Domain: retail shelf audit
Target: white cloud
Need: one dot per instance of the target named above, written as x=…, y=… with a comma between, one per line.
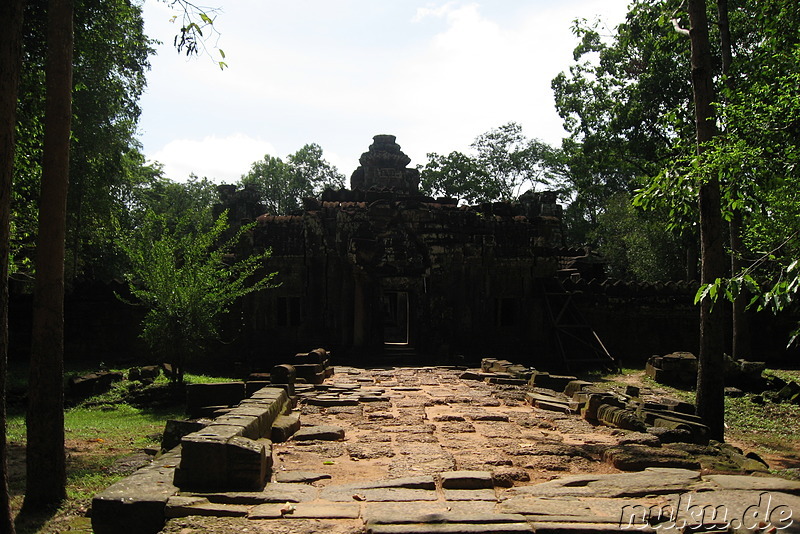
x=435, y=76
x=220, y=159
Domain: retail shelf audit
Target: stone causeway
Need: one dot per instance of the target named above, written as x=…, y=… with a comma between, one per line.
x=431, y=450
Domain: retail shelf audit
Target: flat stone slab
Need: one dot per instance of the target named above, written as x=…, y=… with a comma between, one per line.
x=136, y=504
x=300, y=477
x=450, y=528
x=571, y=509
x=189, y=506
x=651, y=481
x=635, y=457
x=467, y=480
x=742, y=511
x=331, y=401
x=470, y=495
x=345, y=494
x=272, y=492
x=437, y=515
x=754, y=483
x=319, y=432
x=307, y=511
x=585, y=528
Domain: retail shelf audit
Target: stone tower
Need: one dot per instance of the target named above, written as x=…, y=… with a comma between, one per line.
x=383, y=168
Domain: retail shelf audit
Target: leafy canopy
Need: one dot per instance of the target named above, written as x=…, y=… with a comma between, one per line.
x=282, y=185
x=187, y=277
x=503, y=165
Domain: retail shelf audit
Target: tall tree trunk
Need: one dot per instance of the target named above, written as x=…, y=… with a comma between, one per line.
x=710, y=381
x=10, y=65
x=740, y=343
x=46, y=462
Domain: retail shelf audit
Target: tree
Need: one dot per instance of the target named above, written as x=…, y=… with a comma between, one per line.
x=185, y=277
x=710, y=381
x=635, y=244
x=110, y=61
x=11, y=14
x=504, y=163
x=756, y=153
x=623, y=103
x=282, y=185
x=45, y=459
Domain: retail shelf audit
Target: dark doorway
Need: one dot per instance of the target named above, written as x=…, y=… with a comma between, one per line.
x=395, y=317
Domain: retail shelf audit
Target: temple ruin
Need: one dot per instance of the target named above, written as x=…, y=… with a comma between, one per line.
x=382, y=269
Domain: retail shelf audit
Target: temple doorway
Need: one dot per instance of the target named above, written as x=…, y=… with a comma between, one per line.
x=395, y=317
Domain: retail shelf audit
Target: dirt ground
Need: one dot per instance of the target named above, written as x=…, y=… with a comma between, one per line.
x=424, y=421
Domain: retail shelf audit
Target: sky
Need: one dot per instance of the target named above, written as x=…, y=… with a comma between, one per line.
x=338, y=72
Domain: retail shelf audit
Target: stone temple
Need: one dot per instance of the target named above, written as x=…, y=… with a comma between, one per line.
x=380, y=269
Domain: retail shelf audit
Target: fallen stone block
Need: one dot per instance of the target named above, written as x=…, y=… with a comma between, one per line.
x=486, y=364
x=273, y=492
x=467, y=480
x=175, y=429
x=192, y=506
x=548, y=381
x=640, y=457
x=136, y=504
x=92, y=384
x=505, y=381
x=575, y=386
x=319, y=432
x=312, y=373
x=284, y=426
x=617, y=417
x=216, y=461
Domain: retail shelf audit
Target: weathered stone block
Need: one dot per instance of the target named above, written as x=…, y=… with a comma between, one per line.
x=199, y=396
x=574, y=386
x=175, y=429
x=136, y=504
x=640, y=457
x=320, y=432
x=284, y=426
x=469, y=480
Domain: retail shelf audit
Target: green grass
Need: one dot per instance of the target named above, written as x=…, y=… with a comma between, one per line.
x=767, y=428
x=99, y=432
x=784, y=374
x=775, y=426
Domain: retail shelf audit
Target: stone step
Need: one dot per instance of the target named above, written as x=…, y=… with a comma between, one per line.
x=450, y=528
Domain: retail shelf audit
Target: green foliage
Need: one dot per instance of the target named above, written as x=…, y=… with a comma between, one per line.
x=755, y=156
x=194, y=21
x=110, y=61
x=775, y=293
x=636, y=244
x=503, y=165
x=281, y=185
x=624, y=103
x=184, y=274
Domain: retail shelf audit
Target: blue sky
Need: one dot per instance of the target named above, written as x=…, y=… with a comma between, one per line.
x=337, y=72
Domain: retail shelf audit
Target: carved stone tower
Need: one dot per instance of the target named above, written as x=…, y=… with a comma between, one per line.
x=383, y=168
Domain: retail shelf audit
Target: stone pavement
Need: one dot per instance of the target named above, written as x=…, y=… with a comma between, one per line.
x=418, y=450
